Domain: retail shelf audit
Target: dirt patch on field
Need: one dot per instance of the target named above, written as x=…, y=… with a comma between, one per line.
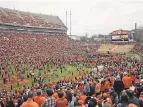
x=14, y=81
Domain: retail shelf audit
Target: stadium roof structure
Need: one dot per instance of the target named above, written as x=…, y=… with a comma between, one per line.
x=53, y=19
x=49, y=19
x=119, y=32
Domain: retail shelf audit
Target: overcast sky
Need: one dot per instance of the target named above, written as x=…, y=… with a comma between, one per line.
x=88, y=16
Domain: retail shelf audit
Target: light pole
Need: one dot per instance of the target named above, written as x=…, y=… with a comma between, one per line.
x=67, y=20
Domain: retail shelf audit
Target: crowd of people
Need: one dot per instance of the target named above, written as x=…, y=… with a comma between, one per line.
x=117, y=84
x=138, y=48
x=31, y=45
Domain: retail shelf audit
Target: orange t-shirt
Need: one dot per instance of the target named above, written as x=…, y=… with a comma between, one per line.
x=61, y=102
x=29, y=103
x=83, y=97
x=55, y=95
x=102, y=87
x=127, y=81
x=107, y=85
x=39, y=100
x=98, y=88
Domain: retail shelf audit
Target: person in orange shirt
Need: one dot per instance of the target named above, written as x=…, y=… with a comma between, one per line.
x=30, y=102
x=61, y=102
x=73, y=90
x=55, y=95
x=81, y=87
x=127, y=81
x=39, y=99
x=107, y=84
x=132, y=105
x=106, y=98
x=102, y=85
x=97, y=88
x=133, y=77
x=80, y=103
x=83, y=97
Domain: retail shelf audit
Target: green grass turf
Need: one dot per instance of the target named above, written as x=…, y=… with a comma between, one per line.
x=133, y=55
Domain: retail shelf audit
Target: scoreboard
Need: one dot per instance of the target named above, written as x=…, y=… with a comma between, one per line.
x=119, y=35
x=119, y=38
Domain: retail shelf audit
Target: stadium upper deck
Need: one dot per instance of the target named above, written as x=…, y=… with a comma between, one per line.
x=15, y=17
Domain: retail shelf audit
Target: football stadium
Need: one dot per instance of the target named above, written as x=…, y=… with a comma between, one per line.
x=42, y=66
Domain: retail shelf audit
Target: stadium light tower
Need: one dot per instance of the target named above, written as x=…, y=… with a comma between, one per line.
x=70, y=22
x=135, y=31
x=67, y=20
x=66, y=17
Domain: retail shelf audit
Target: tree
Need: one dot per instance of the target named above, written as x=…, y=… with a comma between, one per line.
x=139, y=34
x=83, y=39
